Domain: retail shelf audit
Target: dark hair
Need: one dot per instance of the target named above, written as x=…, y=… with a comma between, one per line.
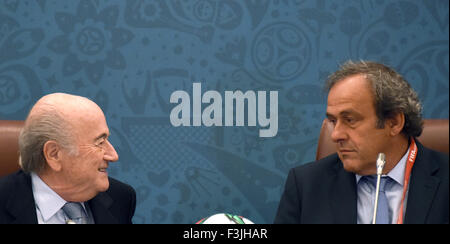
x=392, y=93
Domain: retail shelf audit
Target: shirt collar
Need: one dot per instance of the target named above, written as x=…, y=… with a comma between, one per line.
x=397, y=173
x=47, y=201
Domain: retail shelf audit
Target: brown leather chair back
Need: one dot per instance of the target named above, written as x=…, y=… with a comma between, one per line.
x=434, y=136
x=9, y=145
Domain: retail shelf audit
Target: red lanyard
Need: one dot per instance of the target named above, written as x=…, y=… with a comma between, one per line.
x=409, y=164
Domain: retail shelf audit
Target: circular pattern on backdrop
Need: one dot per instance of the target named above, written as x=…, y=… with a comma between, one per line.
x=281, y=51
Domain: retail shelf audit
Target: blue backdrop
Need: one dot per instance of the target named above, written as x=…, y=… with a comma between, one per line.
x=129, y=56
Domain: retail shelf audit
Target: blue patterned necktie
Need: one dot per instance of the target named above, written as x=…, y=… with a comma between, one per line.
x=75, y=212
x=383, y=206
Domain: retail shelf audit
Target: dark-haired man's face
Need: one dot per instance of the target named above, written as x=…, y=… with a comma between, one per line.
x=351, y=110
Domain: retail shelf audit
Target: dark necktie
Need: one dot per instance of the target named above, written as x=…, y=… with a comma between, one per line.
x=383, y=206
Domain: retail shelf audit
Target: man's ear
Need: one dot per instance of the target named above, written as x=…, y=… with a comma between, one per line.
x=396, y=123
x=52, y=153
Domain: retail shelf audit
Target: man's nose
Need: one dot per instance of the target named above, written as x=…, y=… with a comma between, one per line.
x=339, y=133
x=110, y=153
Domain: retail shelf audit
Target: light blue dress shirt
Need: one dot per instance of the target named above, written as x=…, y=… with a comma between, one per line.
x=394, y=194
x=49, y=203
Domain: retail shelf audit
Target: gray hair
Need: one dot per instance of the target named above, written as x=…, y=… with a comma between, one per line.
x=45, y=126
x=392, y=93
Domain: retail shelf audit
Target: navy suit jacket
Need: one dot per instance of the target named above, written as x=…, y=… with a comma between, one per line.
x=323, y=192
x=17, y=206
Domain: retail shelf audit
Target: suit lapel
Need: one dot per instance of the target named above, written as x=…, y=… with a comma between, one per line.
x=343, y=196
x=422, y=188
x=22, y=208
x=21, y=203
x=100, y=209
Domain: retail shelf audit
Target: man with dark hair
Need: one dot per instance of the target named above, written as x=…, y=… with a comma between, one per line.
x=64, y=156
x=373, y=110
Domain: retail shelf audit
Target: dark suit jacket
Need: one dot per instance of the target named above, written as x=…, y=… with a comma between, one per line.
x=323, y=192
x=17, y=206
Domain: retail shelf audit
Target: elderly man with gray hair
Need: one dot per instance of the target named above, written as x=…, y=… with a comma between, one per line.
x=64, y=157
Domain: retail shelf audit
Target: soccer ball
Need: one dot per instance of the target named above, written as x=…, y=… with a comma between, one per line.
x=224, y=218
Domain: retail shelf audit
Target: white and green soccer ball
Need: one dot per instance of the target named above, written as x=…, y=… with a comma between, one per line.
x=224, y=218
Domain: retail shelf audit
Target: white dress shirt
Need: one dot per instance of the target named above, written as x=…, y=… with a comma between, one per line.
x=49, y=203
x=393, y=190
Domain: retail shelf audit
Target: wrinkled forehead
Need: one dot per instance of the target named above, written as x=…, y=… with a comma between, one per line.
x=89, y=125
x=83, y=114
